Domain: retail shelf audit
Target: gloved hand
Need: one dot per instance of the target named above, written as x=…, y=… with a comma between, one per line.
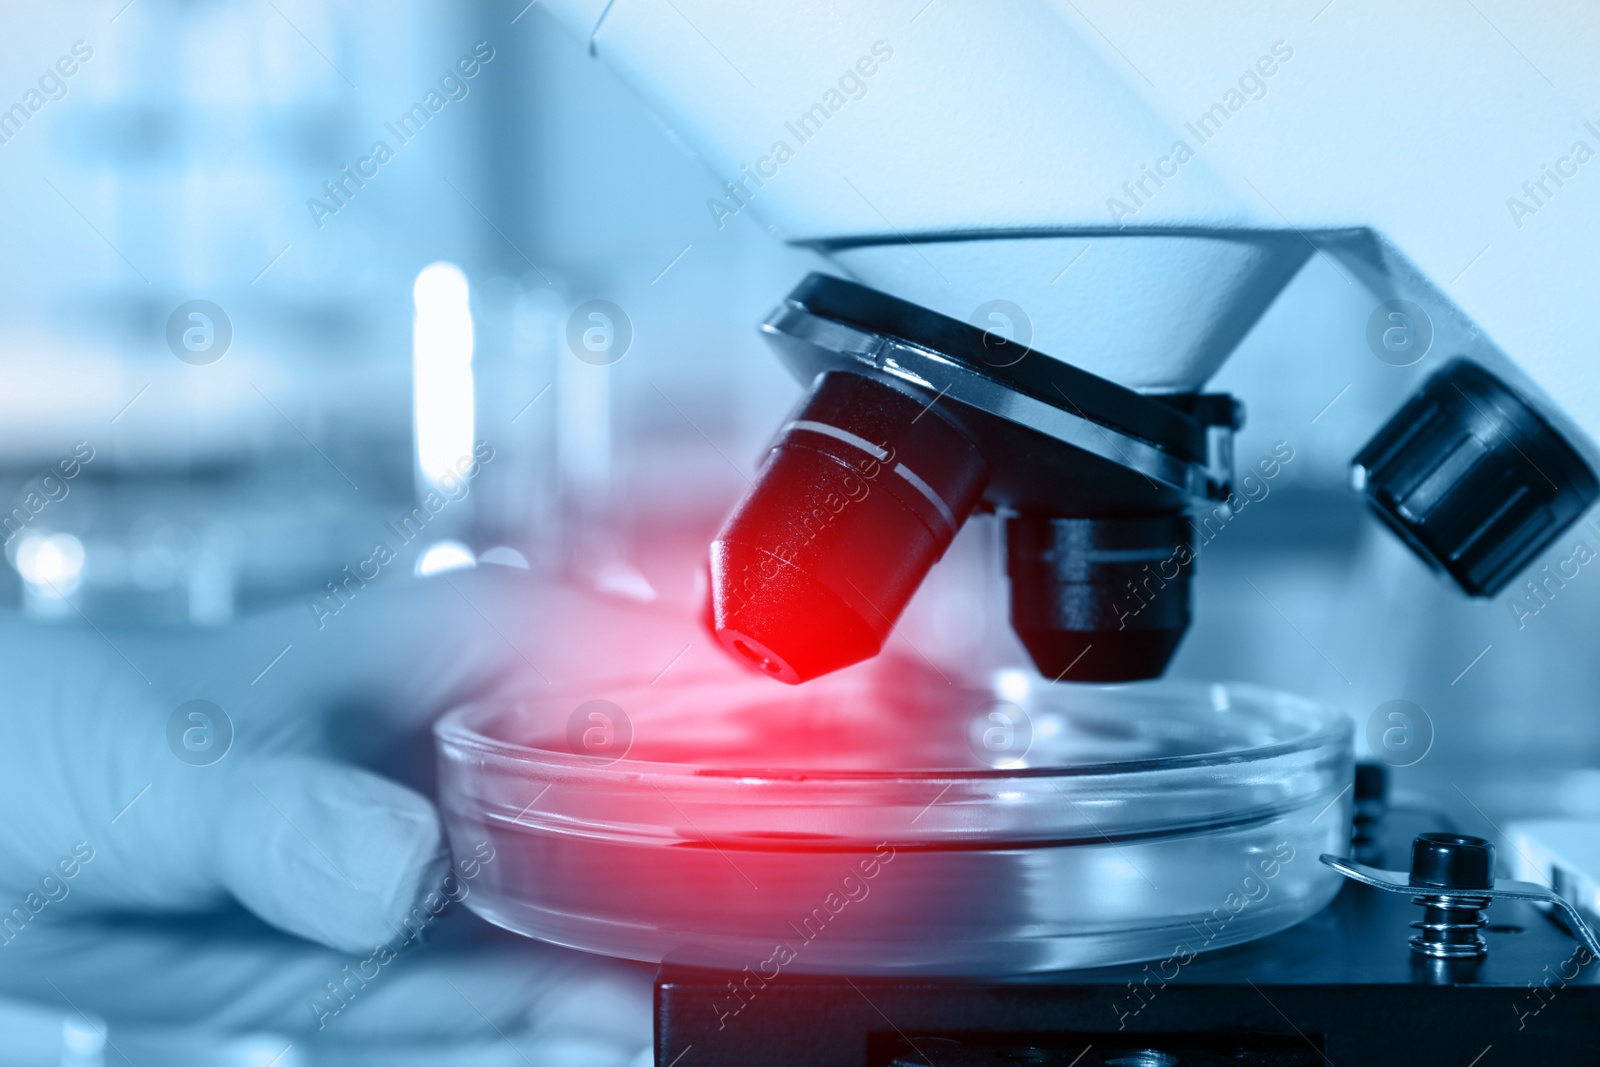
x=102, y=810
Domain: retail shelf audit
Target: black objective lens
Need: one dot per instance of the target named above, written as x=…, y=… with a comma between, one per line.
x=1100, y=599
x=862, y=492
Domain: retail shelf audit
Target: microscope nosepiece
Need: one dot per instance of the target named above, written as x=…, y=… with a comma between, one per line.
x=911, y=423
x=862, y=492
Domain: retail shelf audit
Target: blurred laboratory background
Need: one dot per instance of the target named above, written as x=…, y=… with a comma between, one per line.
x=272, y=336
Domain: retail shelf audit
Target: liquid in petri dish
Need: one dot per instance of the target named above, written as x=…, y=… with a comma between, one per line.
x=885, y=822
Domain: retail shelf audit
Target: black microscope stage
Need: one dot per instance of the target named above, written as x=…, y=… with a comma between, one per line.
x=1342, y=988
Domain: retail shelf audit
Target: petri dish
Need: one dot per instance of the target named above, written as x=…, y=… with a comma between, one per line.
x=886, y=822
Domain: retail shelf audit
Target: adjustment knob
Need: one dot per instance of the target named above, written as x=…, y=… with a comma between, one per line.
x=1473, y=479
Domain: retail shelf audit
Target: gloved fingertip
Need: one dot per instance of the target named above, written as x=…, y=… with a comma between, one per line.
x=330, y=852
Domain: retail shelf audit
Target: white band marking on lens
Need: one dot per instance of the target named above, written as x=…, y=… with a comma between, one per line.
x=838, y=435
x=927, y=490
x=877, y=453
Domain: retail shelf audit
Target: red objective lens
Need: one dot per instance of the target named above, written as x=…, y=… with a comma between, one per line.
x=861, y=494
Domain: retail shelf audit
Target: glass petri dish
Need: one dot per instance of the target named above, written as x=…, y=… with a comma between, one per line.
x=889, y=823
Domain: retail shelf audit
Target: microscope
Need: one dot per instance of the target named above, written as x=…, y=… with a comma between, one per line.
x=1045, y=226
x=1056, y=224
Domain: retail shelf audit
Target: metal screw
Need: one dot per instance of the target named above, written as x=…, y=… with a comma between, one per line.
x=1450, y=866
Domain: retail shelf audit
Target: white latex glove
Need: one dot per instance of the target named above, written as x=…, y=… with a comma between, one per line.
x=286, y=823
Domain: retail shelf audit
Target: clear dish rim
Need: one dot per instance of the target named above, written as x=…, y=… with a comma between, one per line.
x=452, y=729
